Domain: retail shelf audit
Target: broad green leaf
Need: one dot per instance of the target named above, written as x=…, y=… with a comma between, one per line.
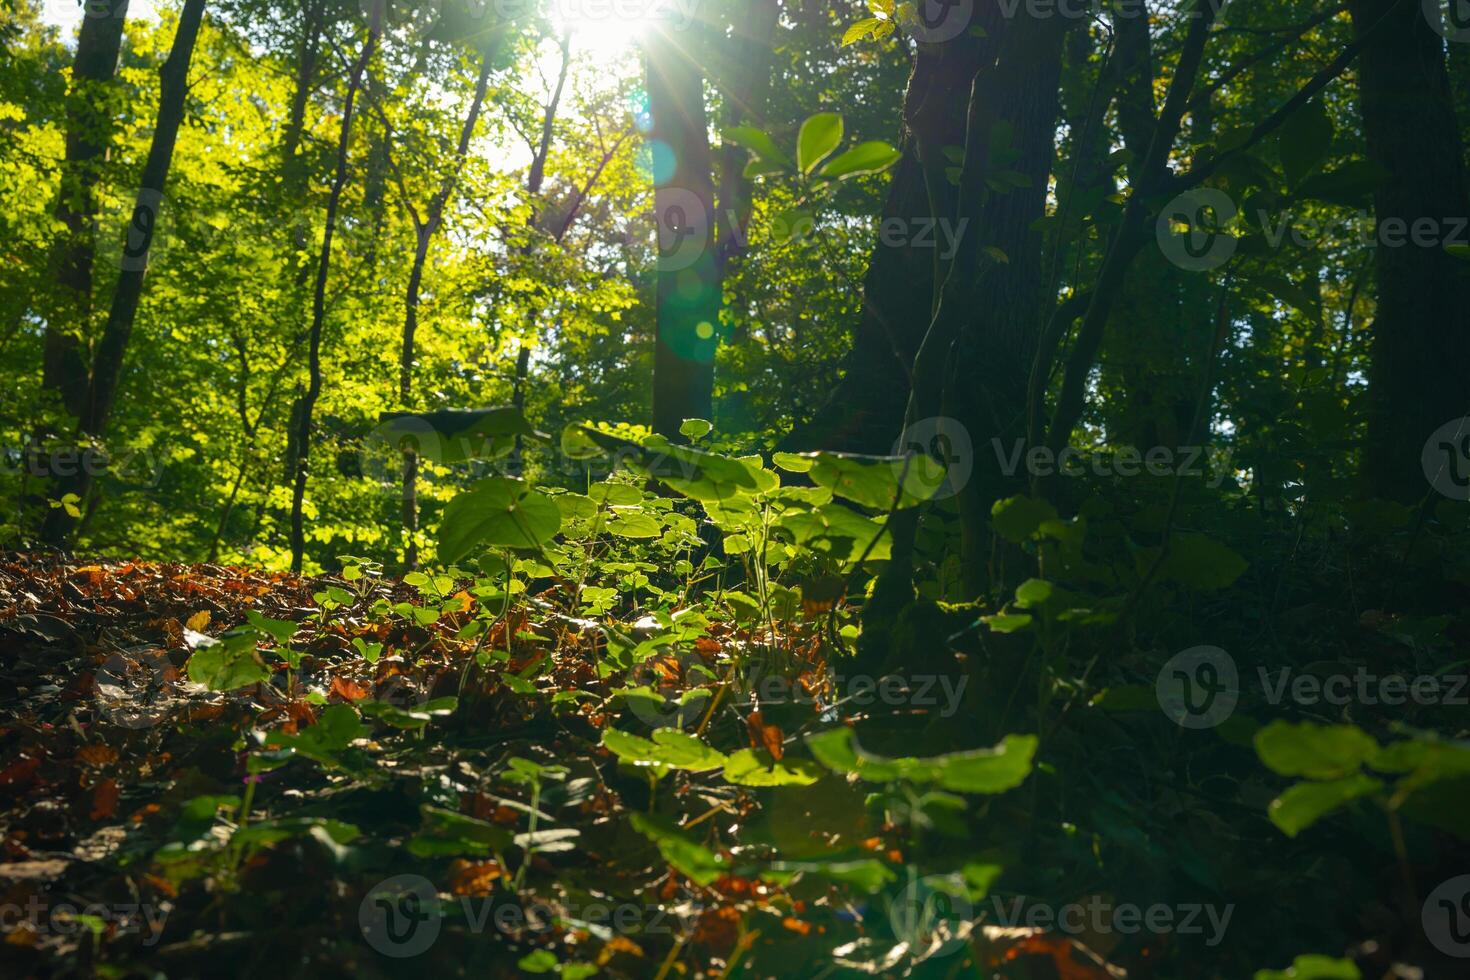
x=447, y=833
x=1314, y=751
x=1202, y=563
x=759, y=143
x=867, y=875
x=872, y=481
x=499, y=513
x=669, y=748
x=1017, y=518
x=695, y=429
x=819, y=136
x=280, y=630
x=1305, y=803
x=454, y=436
x=871, y=157
x=748, y=767
x=694, y=861
x=1314, y=967
x=229, y=664
x=993, y=770
x=838, y=531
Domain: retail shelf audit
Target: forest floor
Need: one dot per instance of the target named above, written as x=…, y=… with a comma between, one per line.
x=464, y=815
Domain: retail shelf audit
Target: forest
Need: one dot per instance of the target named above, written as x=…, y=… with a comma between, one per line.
x=735, y=489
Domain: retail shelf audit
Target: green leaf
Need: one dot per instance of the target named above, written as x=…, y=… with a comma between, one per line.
x=695, y=429
x=1305, y=803
x=867, y=875
x=1202, y=563
x=993, y=770
x=669, y=748
x=408, y=718
x=759, y=143
x=1314, y=751
x=454, y=436
x=872, y=481
x=229, y=664
x=1018, y=518
x=751, y=768
x=694, y=861
x=837, y=531
x=281, y=630
x=447, y=833
x=866, y=27
x=871, y=157
x=1304, y=141
x=1314, y=967
x=334, y=731
x=1349, y=185
x=497, y=512
x=819, y=136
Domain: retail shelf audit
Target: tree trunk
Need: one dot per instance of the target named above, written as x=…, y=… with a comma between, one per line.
x=108, y=362
x=1421, y=332
x=689, y=289
x=424, y=236
x=89, y=124
x=307, y=404
x=745, y=82
x=866, y=410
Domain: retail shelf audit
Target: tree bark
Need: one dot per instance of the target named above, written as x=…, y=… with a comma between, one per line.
x=424, y=234
x=107, y=364
x=1421, y=332
x=89, y=124
x=319, y=301
x=689, y=288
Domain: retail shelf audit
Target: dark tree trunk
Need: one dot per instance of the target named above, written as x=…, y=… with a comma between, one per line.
x=866, y=410
x=89, y=124
x=689, y=290
x=107, y=364
x=745, y=82
x=302, y=419
x=1417, y=379
x=424, y=236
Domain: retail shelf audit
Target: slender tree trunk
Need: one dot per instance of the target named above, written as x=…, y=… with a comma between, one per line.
x=319, y=300
x=1421, y=331
x=424, y=235
x=89, y=124
x=745, y=83
x=107, y=364
x=689, y=290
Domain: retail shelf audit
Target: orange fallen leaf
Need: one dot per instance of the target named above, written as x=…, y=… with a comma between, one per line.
x=476, y=878
x=347, y=690
x=104, y=799
x=96, y=756
x=765, y=736
x=198, y=621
